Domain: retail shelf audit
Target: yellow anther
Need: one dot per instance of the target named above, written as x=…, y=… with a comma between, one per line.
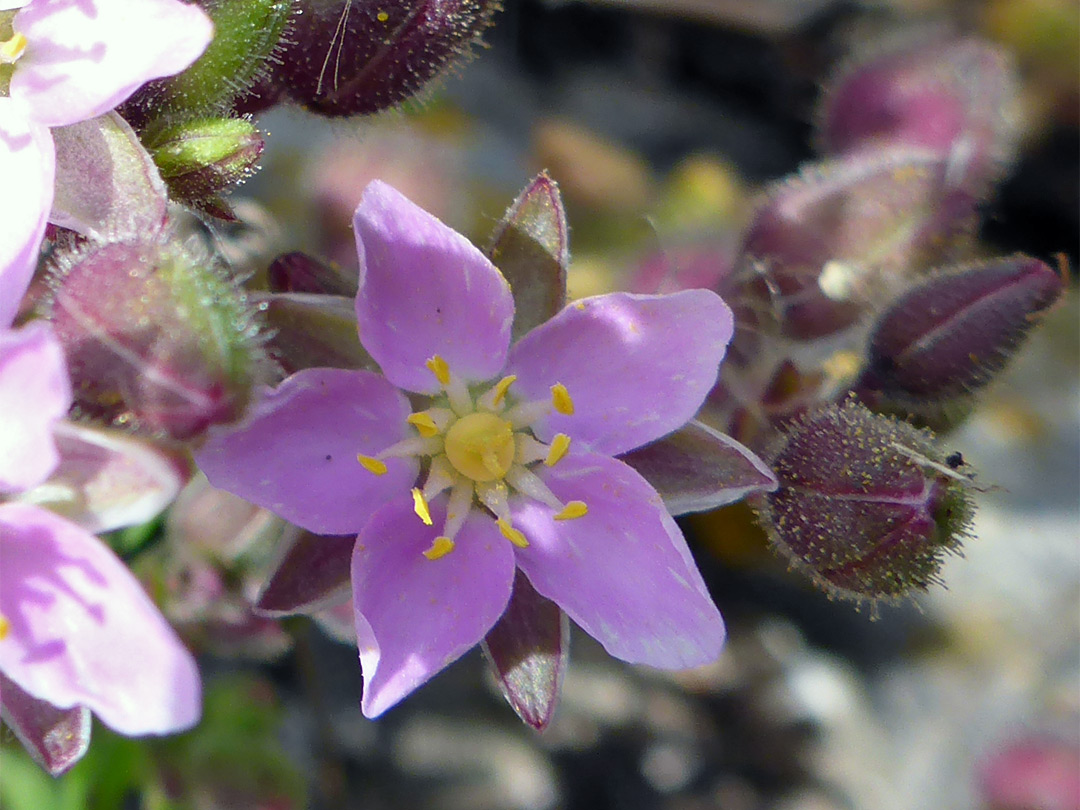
x=515, y=536
x=424, y=424
x=437, y=366
x=560, y=398
x=12, y=49
x=501, y=387
x=572, y=510
x=5, y=628
x=420, y=506
x=382, y=17
x=439, y=548
x=559, y=445
x=372, y=464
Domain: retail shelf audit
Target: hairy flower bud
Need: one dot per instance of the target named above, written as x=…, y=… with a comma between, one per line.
x=348, y=57
x=200, y=159
x=867, y=506
x=156, y=337
x=828, y=242
x=950, y=94
x=952, y=333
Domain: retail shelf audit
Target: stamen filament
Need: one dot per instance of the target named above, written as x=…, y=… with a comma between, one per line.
x=372, y=464
x=515, y=536
x=559, y=447
x=420, y=506
x=494, y=497
x=459, y=506
x=528, y=484
x=560, y=398
x=524, y=414
x=439, y=548
x=414, y=446
x=528, y=450
x=440, y=477
x=572, y=511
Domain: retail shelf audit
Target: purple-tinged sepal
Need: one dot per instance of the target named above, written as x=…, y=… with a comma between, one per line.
x=697, y=468
x=951, y=334
x=54, y=738
x=312, y=574
x=297, y=272
x=527, y=650
x=309, y=330
x=530, y=246
x=867, y=507
x=156, y=335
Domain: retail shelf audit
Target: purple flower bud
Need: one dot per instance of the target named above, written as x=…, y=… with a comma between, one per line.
x=953, y=332
x=200, y=159
x=347, y=57
x=867, y=506
x=949, y=94
x=155, y=337
x=830, y=241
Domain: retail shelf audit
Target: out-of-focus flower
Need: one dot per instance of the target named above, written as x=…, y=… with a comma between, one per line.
x=65, y=61
x=516, y=450
x=77, y=631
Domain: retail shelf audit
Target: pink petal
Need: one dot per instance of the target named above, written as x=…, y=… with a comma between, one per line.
x=55, y=738
x=84, y=633
x=623, y=572
x=637, y=366
x=34, y=394
x=86, y=56
x=426, y=290
x=415, y=616
x=26, y=164
x=108, y=479
x=295, y=452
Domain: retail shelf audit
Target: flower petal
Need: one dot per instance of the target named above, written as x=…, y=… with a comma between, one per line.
x=623, y=571
x=107, y=479
x=426, y=290
x=637, y=366
x=83, y=632
x=295, y=452
x=415, y=616
x=34, y=393
x=86, y=56
x=54, y=738
x=27, y=164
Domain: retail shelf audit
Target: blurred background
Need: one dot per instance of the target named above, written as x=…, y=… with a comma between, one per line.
x=661, y=120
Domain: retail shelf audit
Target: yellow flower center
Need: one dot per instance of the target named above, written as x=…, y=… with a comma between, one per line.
x=480, y=446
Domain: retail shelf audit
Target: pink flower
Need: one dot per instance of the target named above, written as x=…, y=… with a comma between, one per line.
x=76, y=628
x=509, y=464
x=71, y=60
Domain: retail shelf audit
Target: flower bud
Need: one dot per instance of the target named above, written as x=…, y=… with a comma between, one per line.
x=200, y=159
x=952, y=333
x=830, y=241
x=348, y=57
x=867, y=506
x=949, y=94
x=155, y=336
